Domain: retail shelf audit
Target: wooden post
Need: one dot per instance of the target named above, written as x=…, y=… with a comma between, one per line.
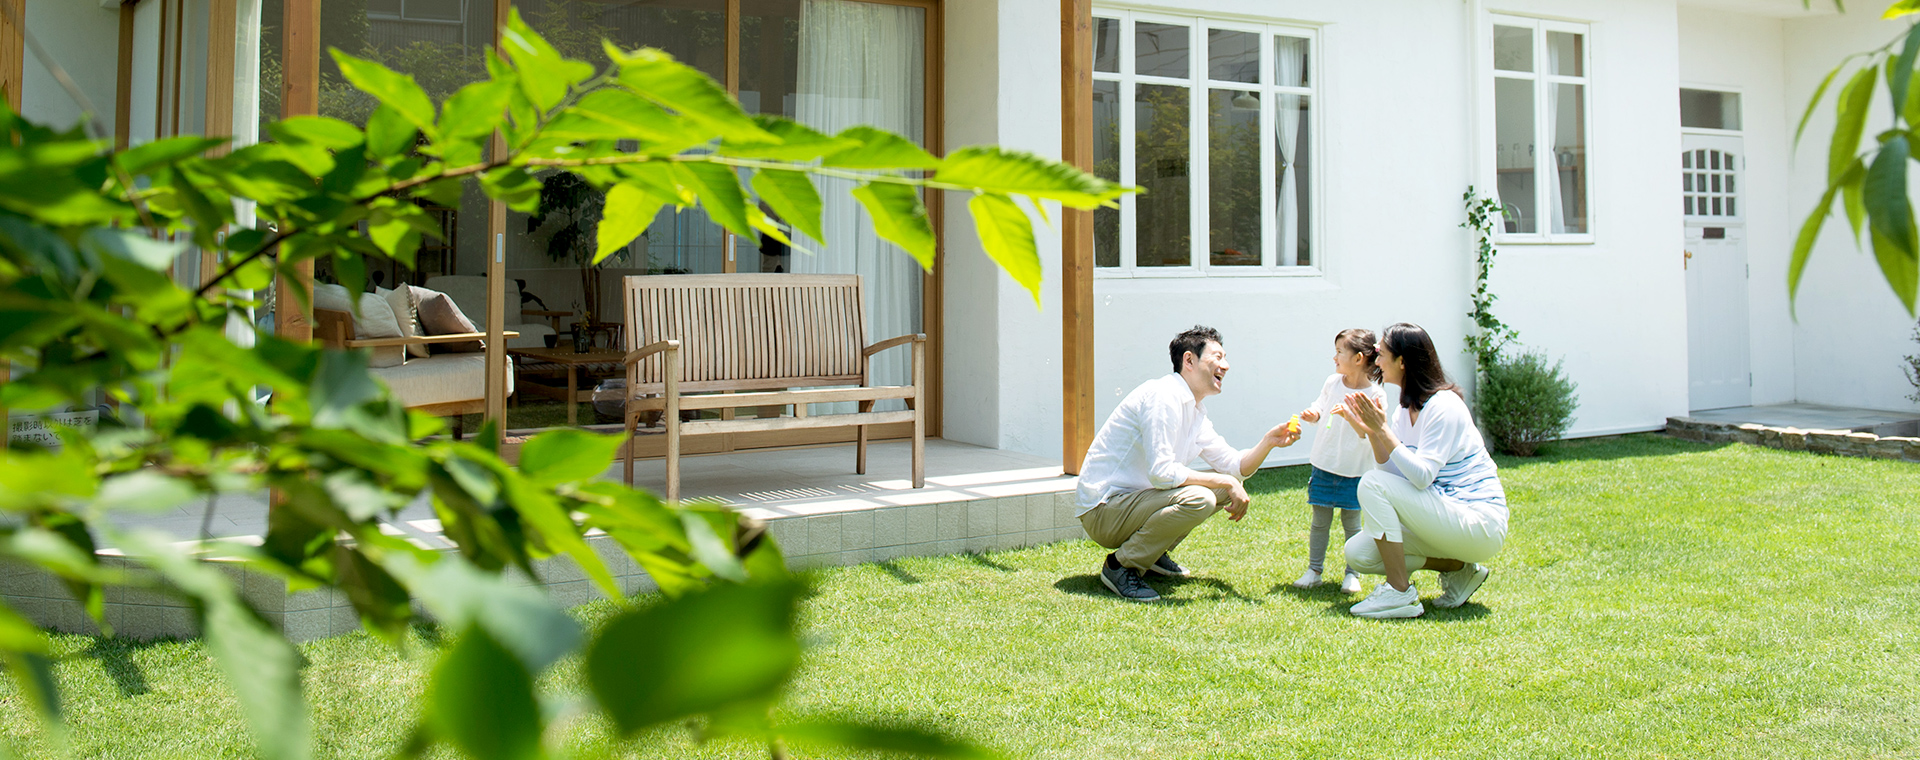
x=123, y=80
x=1076, y=249
x=299, y=96
x=497, y=279
x=12, y=47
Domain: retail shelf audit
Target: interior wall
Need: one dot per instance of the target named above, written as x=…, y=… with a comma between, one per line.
x=82, y=37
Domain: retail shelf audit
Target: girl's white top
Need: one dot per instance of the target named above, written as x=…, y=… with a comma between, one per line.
x=1336, y=447
x=1445, y=452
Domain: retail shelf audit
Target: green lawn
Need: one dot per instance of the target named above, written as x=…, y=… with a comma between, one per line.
x=1656, y=599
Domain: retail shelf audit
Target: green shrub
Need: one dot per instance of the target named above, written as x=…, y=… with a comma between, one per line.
x=1913, y=366
x=1523, y=402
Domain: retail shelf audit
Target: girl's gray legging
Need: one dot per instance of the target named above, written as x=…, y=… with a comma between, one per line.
x=1317, y=539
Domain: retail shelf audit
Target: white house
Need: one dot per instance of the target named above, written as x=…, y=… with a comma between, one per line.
x=1305, y=162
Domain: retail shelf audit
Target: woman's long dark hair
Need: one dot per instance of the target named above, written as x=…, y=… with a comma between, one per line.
x=1423, y=374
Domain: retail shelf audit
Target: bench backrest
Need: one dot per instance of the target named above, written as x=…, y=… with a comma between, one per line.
x=748, y=331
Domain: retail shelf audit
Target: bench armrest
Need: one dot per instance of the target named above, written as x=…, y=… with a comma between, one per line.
x=891, y=342
x=649, y=350
x=425, y=339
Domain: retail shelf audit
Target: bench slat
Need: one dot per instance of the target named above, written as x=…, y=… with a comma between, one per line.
x=758, y=425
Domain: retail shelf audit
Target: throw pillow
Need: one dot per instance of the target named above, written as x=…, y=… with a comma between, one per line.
x=373, y=319
x=406, y=309
x=439, y=316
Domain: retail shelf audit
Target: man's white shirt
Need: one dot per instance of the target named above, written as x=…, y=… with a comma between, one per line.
x=1148, y=441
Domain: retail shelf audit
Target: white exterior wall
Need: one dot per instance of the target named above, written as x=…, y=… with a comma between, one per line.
x=1744, y=53
x=1852, y=331
x=1398, y=147
x=1002, y=356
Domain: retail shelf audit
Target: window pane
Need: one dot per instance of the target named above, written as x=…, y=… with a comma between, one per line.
x=1293, y=179
x=1160, y=50
x=1233, y=56
x=1162, y=219
x=1706, y=109
x=1106, y=165
x=388, y=7
x=1106, y=45
x=1513, y=48
x=1513, y=150
x=1233, y=178
x=1567, y=109
x=1565, y=54
x=1290, y=61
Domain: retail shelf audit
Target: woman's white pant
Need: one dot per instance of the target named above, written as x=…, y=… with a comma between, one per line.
x=1426, y=524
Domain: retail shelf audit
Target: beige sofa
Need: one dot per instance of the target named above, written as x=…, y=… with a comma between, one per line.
x=440, y=384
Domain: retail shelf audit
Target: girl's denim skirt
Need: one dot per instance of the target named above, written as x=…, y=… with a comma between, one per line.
x=1325, y=489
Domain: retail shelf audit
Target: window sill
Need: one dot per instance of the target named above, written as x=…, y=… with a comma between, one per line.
x=1544, y=241
x=1187, y=273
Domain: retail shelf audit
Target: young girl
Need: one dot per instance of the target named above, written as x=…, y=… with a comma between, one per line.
x=1340, y=452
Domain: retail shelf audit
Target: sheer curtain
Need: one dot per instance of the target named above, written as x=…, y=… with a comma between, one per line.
x=863, y=63
x=1289, y=55
x=1556, y=205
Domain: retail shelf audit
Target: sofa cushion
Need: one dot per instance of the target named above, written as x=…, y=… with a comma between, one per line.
x=439, y=316
x=441, y=378
x=406, y=310
x=373, y=318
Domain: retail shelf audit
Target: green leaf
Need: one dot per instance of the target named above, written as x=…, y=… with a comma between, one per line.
x=656, y=76
x=792, y=196
x=476, y=110
x=324, y=131
x=544, y=74
x=899, y=217
x=481, y=700
x=1899, y=72
x=394, y=89
x=1854, y=201
x=1007, y=235
x=389, y=134
x=341, y=383
x=838, y=736
x=708, y=547
x=1890, y=217
x=612, y=114
x=879, y=149
x=628, y=211
x=460, y=595
x=145, y=157
x=729, y=645
x=1810, y=231
x=719, y=191
x=998, y=170
x=145, y=491
x=798, y=142
x=1852, y=104
x=566, y=456
x=25, y=650
x=1902, y=8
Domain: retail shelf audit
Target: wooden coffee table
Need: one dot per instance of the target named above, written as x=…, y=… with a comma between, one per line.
x=556, y=359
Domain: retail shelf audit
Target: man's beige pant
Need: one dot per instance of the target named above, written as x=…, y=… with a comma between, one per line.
x=1142, y=525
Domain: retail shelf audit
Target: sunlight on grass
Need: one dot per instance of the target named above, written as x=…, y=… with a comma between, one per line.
x=1656, y=599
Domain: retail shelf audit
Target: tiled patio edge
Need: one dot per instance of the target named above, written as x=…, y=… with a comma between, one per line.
x=850, y=537
x=1841, y=442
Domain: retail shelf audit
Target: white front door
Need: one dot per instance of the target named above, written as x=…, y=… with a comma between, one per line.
x=1715, y=249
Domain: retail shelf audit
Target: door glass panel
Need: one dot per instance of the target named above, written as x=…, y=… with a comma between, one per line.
x=1162, y=214
x=1514, y=160
x=1161, y=50
x=1233, y=178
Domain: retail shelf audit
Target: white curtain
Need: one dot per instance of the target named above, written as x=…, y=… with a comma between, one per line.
x=1556, y=206
x=863, y=63
x=1289, y=56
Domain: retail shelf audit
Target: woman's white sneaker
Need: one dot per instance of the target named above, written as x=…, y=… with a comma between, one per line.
x=1386, y=602
x=1456, y=586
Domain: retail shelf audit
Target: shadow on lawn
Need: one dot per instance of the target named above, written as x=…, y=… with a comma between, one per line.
x=1089, y=585
x=1464, y=612
x=115, y=656
x=1630, y=446
x=898, y=573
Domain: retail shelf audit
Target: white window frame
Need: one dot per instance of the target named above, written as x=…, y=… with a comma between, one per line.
x=402, y=16
x=1545, y=171
x=1198, y=85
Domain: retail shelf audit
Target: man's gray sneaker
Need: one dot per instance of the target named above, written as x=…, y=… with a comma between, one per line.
x=1457, y=585
x=1166, y=566
x=1124, y=581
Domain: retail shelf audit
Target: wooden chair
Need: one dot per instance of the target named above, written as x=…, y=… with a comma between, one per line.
x=758, y=340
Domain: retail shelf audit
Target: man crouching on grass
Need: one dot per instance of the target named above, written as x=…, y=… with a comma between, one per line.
x=1137, y=496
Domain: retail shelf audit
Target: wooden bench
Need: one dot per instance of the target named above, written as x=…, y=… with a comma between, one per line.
x=759, y=340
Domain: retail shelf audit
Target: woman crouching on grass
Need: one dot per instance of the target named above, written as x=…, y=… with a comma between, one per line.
x=1435, y=503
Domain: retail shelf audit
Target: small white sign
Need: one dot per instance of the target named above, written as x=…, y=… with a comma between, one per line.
x=43, y=429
